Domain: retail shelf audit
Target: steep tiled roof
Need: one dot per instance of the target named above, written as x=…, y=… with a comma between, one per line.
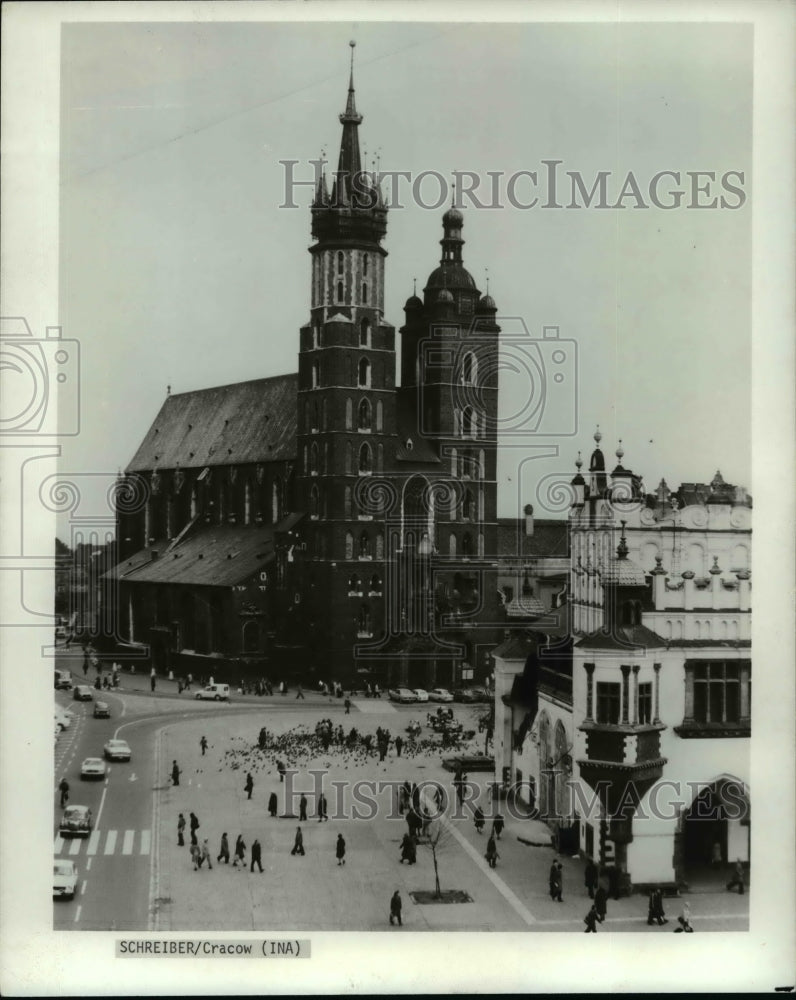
x=550, y=538
x=624, y=637
x=229, y=424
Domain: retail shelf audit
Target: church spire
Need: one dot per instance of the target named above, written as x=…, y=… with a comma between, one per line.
x=349, y=164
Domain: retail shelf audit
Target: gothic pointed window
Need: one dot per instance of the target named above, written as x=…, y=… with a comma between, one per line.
x=454, y=462
x=365, y=265
x=349, y=545
x=379, y=415
x=364, y=333
x=348, y=459
x=467, y=545
x=340, y=261
x=314, y=459
x=349, y=409
x=481, y=465
x=469, y=423
x=315, y=417
x=364, y=546
x=365, y=460
x=306, y=465
x=364, y=373
x=365, y=292
x=467, y=505
x=380, y=458
x=314, y=501
x=347, y=502
x=452, y=544
x=364, y=622
x=340, y=292
x=468, y=368
x=363, y=415
x=316, y=374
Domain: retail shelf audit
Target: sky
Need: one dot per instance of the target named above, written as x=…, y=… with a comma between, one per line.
x=179, y=267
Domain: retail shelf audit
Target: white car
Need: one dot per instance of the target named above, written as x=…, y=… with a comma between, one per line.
x=92, y=767
x=64, y=878
x=403, y=695
x=63, y=718
x=214, y=692
x=420, y=694
x=118, y=750
x=440, y=694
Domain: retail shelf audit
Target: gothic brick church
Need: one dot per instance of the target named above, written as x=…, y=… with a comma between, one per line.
x=329, y=524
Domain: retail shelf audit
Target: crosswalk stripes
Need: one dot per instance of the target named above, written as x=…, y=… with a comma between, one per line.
x=106, y=842
x=377, y=706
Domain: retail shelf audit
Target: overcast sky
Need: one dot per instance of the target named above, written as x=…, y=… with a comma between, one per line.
x=178, y=267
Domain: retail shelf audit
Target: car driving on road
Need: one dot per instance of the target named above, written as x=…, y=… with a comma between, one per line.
x=214, y=692
x=64, y=878
x=83, y=693
x=118, y=750
x=75, y=822
x=101, y=710
x=92, y=767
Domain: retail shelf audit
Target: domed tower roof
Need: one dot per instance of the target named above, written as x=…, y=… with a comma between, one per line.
x=451, y=273
x=453, y=218
x=444, y=296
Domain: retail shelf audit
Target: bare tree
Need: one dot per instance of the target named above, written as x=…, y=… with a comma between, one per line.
x=438, y=839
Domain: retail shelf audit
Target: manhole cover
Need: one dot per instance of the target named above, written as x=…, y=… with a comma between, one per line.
x=422, y=896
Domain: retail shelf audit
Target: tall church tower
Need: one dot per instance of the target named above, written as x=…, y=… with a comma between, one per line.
x=346, y=404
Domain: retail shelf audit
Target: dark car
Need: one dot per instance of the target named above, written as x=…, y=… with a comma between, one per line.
x=101, y=710
x=83, y=693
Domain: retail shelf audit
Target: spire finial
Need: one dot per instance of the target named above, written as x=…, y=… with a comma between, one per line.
x=622, y=550
x=414, y=286
x=598, y=436
x=578, y=462
x=486, y=272
x=620, y=451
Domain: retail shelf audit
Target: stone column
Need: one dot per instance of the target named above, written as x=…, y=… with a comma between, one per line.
x=625, y=691
x=656, y=699
x=746, y=707
x=589, y=668
x=688, y=590
x=636, y=669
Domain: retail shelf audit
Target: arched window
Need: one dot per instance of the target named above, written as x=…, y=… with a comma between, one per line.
x=467, y=544
x=456, y=421
x=365, y=459
x=452, y=545
x=354, y=586
x=375, y=586
x=469, y=369
x=467, y=505
x=469, y=423
x=349, y=409
x=481, y=544
x=314, y=458
x=316, y=334
x=340, y=261
x=339, y=291
x=364, y=333
x=316, y=374
x=347, y=502
x=365, y=292
x=326, y=457
x=364, y=625
x=247, y=502
x=349, y=545
x=315, y=501
x=365, y=265
x=315, y=416
x=364, y=546
x=379, y=545
x=379, y=415
x=363, y=415
x=364, y=373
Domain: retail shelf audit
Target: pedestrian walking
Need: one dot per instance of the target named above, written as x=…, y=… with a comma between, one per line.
x=340, y=849
x=655, y=912
x=298, y=843
x=256, y=857
x=347, y=704
x=399, y=744
x=263, y=738
x=322, y=814
x=249, y=786
x=395, y=908
x=408, y=849
x=196, y=857
x=240, y=852
x=590, y=877
x=281, y=768
x=497, y=826
x=303, y=808
x=175, y=773
x=194, y=828
x=181, y=831
x=590, y=920
x=478, y=817
x=203, y=745
x=601, y=902
x=63, y=788
x=737, y=878
x=152, y=679
x=300, y=694
x=491, y=851
x=684, y=920
x=223, y=854
x=206, y=854
x=556, y=881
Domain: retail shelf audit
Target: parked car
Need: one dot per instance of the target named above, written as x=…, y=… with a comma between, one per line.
x=75, y=822
x=440, y=694
x=64, y=878
x=420, y=694
x=92, y=767
x=214, y=692
x=471, y=694
x=101, y=710
x=403, y=695
x=63, y=720
x=480, y=693
x=83, y=693
x=118, y=750
x=63, y=680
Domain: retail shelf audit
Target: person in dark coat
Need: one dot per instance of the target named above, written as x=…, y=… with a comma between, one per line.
x=223, y=854
x=655, y=912
x=181, y=831
x=298, y=844
x=249, y=786
x=194, y=828
x=398, y=745
x=281, y=768
x=497, y=826
x=303, y=808
x=340, y=849
x=478, y=816
x=395, y=908
x=590, y=878
x=601, y=902
x=63, y=788
x=491, y=851
x=256, y=851
x=240, y=852
x=408, y=849
x=590, y=920
x=556, y=881
x=272, y=804
x=175, y=773
x=203, y=745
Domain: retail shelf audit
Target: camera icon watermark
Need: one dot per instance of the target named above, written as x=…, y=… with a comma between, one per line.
x=538, y=379
x=41, y=381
